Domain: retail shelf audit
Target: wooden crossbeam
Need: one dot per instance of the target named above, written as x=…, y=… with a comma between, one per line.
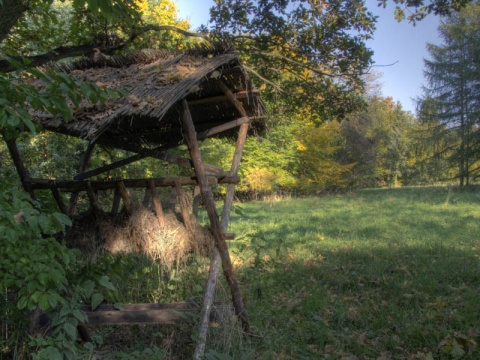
x=142, y=154
x=81, y=185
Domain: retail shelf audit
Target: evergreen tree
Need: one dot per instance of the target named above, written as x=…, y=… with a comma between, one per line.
x=453, y=75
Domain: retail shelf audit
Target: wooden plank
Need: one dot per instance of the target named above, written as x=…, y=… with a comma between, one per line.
x=218, y=233
x=141, y=317
x=138, y=314
x=231, y=97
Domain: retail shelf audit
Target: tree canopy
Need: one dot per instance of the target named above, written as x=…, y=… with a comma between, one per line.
x=452, y=95
x=306, y=51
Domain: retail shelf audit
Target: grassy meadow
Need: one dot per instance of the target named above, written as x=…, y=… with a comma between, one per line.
x=373, y=274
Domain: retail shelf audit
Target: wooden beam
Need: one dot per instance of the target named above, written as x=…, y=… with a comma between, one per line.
x=220, y=98
x=215, y=263
x=218, y=233
x=58, y=198
x=142, y=314
x=231, y=97
x=80, y=185
x=21, y=169
x=144, y=153
x=139, y=314
x=221, y=128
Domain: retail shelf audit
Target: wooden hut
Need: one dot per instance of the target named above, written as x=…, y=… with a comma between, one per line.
x=173, y=99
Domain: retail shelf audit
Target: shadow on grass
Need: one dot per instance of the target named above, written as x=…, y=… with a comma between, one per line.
x=388, y=272
x=363, y=302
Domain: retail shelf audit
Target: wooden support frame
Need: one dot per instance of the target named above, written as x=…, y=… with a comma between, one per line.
x=215, y=263
x=218, y=233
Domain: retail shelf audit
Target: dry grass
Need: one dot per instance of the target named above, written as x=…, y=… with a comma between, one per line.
x=170, y=243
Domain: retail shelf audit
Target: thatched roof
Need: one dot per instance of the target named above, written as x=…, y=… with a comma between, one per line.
x=157, y=81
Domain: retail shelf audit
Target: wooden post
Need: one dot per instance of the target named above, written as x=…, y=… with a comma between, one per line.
x=183, y=201
x=215, y=263
x=229, y=196
x=21, y=169
x=146, y=197
x=122, y=190
x=93, y=199
x=156, y=203
x=172, y=202
x=72, y=204
x=58, y=198
x=216, y=228
x=116, y=202
x=197, y=197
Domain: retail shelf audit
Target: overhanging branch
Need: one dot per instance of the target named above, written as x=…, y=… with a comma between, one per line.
x=64, y=52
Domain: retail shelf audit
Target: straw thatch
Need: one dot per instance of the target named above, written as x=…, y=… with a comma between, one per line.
x=157, y=81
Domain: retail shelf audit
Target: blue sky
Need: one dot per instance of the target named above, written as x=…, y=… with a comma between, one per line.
x=393, y=42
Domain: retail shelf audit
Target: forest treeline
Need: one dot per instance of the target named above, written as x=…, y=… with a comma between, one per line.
x=379, y=144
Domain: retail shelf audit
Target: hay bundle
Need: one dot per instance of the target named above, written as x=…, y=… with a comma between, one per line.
x=140, y=231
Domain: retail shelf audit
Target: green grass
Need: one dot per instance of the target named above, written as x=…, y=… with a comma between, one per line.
x=375, y=274
x=369, y=274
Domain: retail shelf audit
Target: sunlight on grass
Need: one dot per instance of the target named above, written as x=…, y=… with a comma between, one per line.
x=389, y=272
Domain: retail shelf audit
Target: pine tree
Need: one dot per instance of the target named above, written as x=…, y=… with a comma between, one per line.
x=453, y=75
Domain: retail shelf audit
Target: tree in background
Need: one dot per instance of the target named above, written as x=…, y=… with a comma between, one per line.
x=453, y=75
x=376, y=142
x=432, y=145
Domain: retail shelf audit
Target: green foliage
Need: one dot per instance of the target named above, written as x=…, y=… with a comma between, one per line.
x=376, y=141
x=44, y=91
x=39, y=273
x=397, y=283
x=301, y=50
x=453, y=75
